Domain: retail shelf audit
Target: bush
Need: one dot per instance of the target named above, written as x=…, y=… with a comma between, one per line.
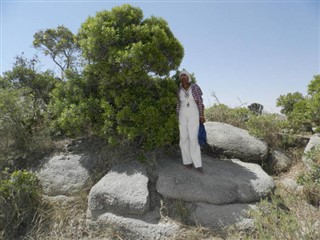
x=284, y=217
x=142, y=113
x=16, y=112
x=20, y=197
x=311, y=179
x=265, y=127
x=233, y=116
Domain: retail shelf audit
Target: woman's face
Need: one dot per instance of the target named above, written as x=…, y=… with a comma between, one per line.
x=184, y=79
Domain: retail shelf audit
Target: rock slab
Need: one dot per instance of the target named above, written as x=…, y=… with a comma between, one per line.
x=224, y=181
x=235, y=142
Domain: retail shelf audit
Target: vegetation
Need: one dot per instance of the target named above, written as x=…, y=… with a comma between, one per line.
x=285, y=216
x=20, y=203
x=311, y=180
x=115, y=83
x=124, y=92
x=302, y=111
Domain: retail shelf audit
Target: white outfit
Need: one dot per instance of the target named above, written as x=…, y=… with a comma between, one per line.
x=189, y=127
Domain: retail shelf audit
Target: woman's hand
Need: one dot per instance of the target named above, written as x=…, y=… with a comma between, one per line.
x=202, y=119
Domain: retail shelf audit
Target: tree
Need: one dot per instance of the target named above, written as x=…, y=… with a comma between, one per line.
x=300, y=110
x=287, y=102
x=314, y=101
x=60, y=44
x=24, y=96
x=25, y=74
x=121, y=42
x=126, y=91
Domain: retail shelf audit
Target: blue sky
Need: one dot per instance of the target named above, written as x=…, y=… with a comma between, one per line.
x=243, y=51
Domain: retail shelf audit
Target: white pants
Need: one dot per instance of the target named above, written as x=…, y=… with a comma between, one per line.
x=189, y=143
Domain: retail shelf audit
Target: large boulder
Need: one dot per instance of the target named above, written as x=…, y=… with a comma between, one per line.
x=123, y=190
x=121, y=200
x=63, y=174
x=309, y=151
x=235, y=142
x=224, y=181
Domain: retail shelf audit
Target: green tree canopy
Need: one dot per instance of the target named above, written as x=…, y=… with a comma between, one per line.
x=287, y=102
x=60, y=44
x=121, y=41
x=302, y=110
x=125, y=91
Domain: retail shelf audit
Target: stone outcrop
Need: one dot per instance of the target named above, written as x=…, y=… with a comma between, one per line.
x=124, y=190
x=221, y=196
x=64, y=174
x=225, y=139
x=121, y=199
x=224, y=181
x=313, y=145
x=133, y=196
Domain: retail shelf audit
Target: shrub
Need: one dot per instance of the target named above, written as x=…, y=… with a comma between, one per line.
x=20, y=197
x=16, y=112
x=311, y=179
x=284, y=217
x=265, y=127
x=233, y=116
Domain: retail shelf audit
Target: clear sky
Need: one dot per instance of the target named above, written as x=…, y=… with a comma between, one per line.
x=243, y=51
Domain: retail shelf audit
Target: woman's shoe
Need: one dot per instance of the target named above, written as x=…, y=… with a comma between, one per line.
x=188, y=166
x=200, y=170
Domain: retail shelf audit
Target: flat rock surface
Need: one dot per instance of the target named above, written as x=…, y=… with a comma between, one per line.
x=224, y=181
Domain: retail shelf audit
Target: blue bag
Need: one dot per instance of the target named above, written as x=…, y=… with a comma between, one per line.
x=202, y=135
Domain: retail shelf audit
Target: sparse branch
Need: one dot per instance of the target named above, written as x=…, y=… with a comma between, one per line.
x=213, y=94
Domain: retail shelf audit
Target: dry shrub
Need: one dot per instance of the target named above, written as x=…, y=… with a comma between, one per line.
x=285, y=216
x=233, y=116
x=311, y=179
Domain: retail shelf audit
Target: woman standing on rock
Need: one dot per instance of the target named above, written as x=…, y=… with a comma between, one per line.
x=190, y=110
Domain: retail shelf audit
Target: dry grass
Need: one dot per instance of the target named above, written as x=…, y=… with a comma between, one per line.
x=67, y=220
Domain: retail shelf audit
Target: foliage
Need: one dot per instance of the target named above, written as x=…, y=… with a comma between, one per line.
x=16, y=114
x=287, y=102
x=20, y=197
x=302, y=111
x=311, y=179
x=233, y=116
x=282, y=218
x=266, y=127
x=60, y=44
x=24, y=96
x=122, y=93
x=25, y=74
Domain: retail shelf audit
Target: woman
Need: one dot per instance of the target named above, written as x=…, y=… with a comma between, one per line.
x=190, y=110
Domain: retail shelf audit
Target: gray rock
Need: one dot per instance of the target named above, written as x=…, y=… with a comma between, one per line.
x=134, y=228
x=63, y=175
x=219, y=216
x=123, y=190
x=313, y=144
x=280, y=162
x=235, y=142
x=224, y=182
